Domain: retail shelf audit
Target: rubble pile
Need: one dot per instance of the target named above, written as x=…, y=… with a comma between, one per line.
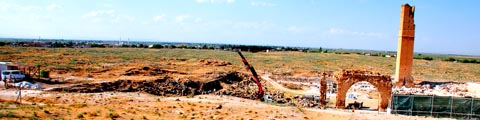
x=223, y=83
x=296, y=79
x=164, y=86
x=307, y=101
x=440, y=89
x=244, y=89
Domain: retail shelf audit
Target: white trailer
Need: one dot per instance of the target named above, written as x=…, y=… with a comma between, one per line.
x=3, y=66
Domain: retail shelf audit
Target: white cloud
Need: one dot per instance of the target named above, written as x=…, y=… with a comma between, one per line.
x=181, y=18
x=27, y=13
x=253, y=25
x=230, y=1
x=215, y=1
x=339, y=31
x=160, y=18
x=5, y=6
x=336, y=31
x=107, y=15
x=198, y=20
x=53, y=7
x=15, y=7
x=121, y=18
x=258, y=3
x=295, y=29
x=27, y=8
x=99, y=13
x=201, y=1
x=107, y=5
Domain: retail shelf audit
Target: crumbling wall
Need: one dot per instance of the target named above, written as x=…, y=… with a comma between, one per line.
x=406, y=38
x=323, y=91
x=346, y=78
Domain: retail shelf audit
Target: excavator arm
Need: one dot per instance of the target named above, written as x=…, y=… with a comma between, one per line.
x=255, y=75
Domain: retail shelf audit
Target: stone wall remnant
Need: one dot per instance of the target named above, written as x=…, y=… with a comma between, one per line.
x=406, y=36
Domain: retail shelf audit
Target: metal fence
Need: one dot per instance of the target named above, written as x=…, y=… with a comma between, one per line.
x=436, y=106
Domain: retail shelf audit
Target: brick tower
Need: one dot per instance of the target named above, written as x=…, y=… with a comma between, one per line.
x=406, y=36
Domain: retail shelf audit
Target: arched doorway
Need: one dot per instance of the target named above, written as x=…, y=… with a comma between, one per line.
x=346, y=79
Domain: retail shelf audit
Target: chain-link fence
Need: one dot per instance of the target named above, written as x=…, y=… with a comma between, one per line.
x=436, y=106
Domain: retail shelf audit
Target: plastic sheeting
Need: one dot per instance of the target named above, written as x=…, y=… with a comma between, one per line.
x=28, y=85
x=436, y=106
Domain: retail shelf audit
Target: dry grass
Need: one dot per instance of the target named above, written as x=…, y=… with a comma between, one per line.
x=82, y=62
x=141, y=106
x=110, y=105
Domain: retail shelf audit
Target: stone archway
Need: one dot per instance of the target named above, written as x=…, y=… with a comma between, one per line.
x=346, y=79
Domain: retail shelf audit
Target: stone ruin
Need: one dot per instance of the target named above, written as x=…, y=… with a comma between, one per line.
x=403, y=69
x=346, y=78
x=383, y=83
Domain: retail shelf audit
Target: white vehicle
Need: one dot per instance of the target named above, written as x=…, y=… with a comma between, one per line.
x=13, y=75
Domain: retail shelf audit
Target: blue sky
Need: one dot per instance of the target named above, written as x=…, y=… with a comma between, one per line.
x=441, y=26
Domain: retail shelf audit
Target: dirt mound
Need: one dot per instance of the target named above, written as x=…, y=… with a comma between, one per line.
x=215, y=63
x=148, y=71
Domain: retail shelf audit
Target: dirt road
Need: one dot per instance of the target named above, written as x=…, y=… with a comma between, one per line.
x=280, y=87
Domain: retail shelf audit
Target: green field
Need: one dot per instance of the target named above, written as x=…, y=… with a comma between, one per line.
x=434, y=70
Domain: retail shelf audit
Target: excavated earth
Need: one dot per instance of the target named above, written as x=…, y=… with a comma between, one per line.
x=224, y=83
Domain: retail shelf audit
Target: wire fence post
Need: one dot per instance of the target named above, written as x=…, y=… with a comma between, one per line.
x=471, y=109
x=431, y=104
x=451, y=106
x=411, y=103
x=392, y=104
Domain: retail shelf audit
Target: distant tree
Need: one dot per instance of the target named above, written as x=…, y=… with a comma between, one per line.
x=157, y=46
x=450, y=59
x=428, y=58
x=190, y=47
x=57, y=44
x=2, y=43
x=69, y=44
x=320, y=50
x=469, y=61
x=172, y=46
x=182, y=46
x=97, y=45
